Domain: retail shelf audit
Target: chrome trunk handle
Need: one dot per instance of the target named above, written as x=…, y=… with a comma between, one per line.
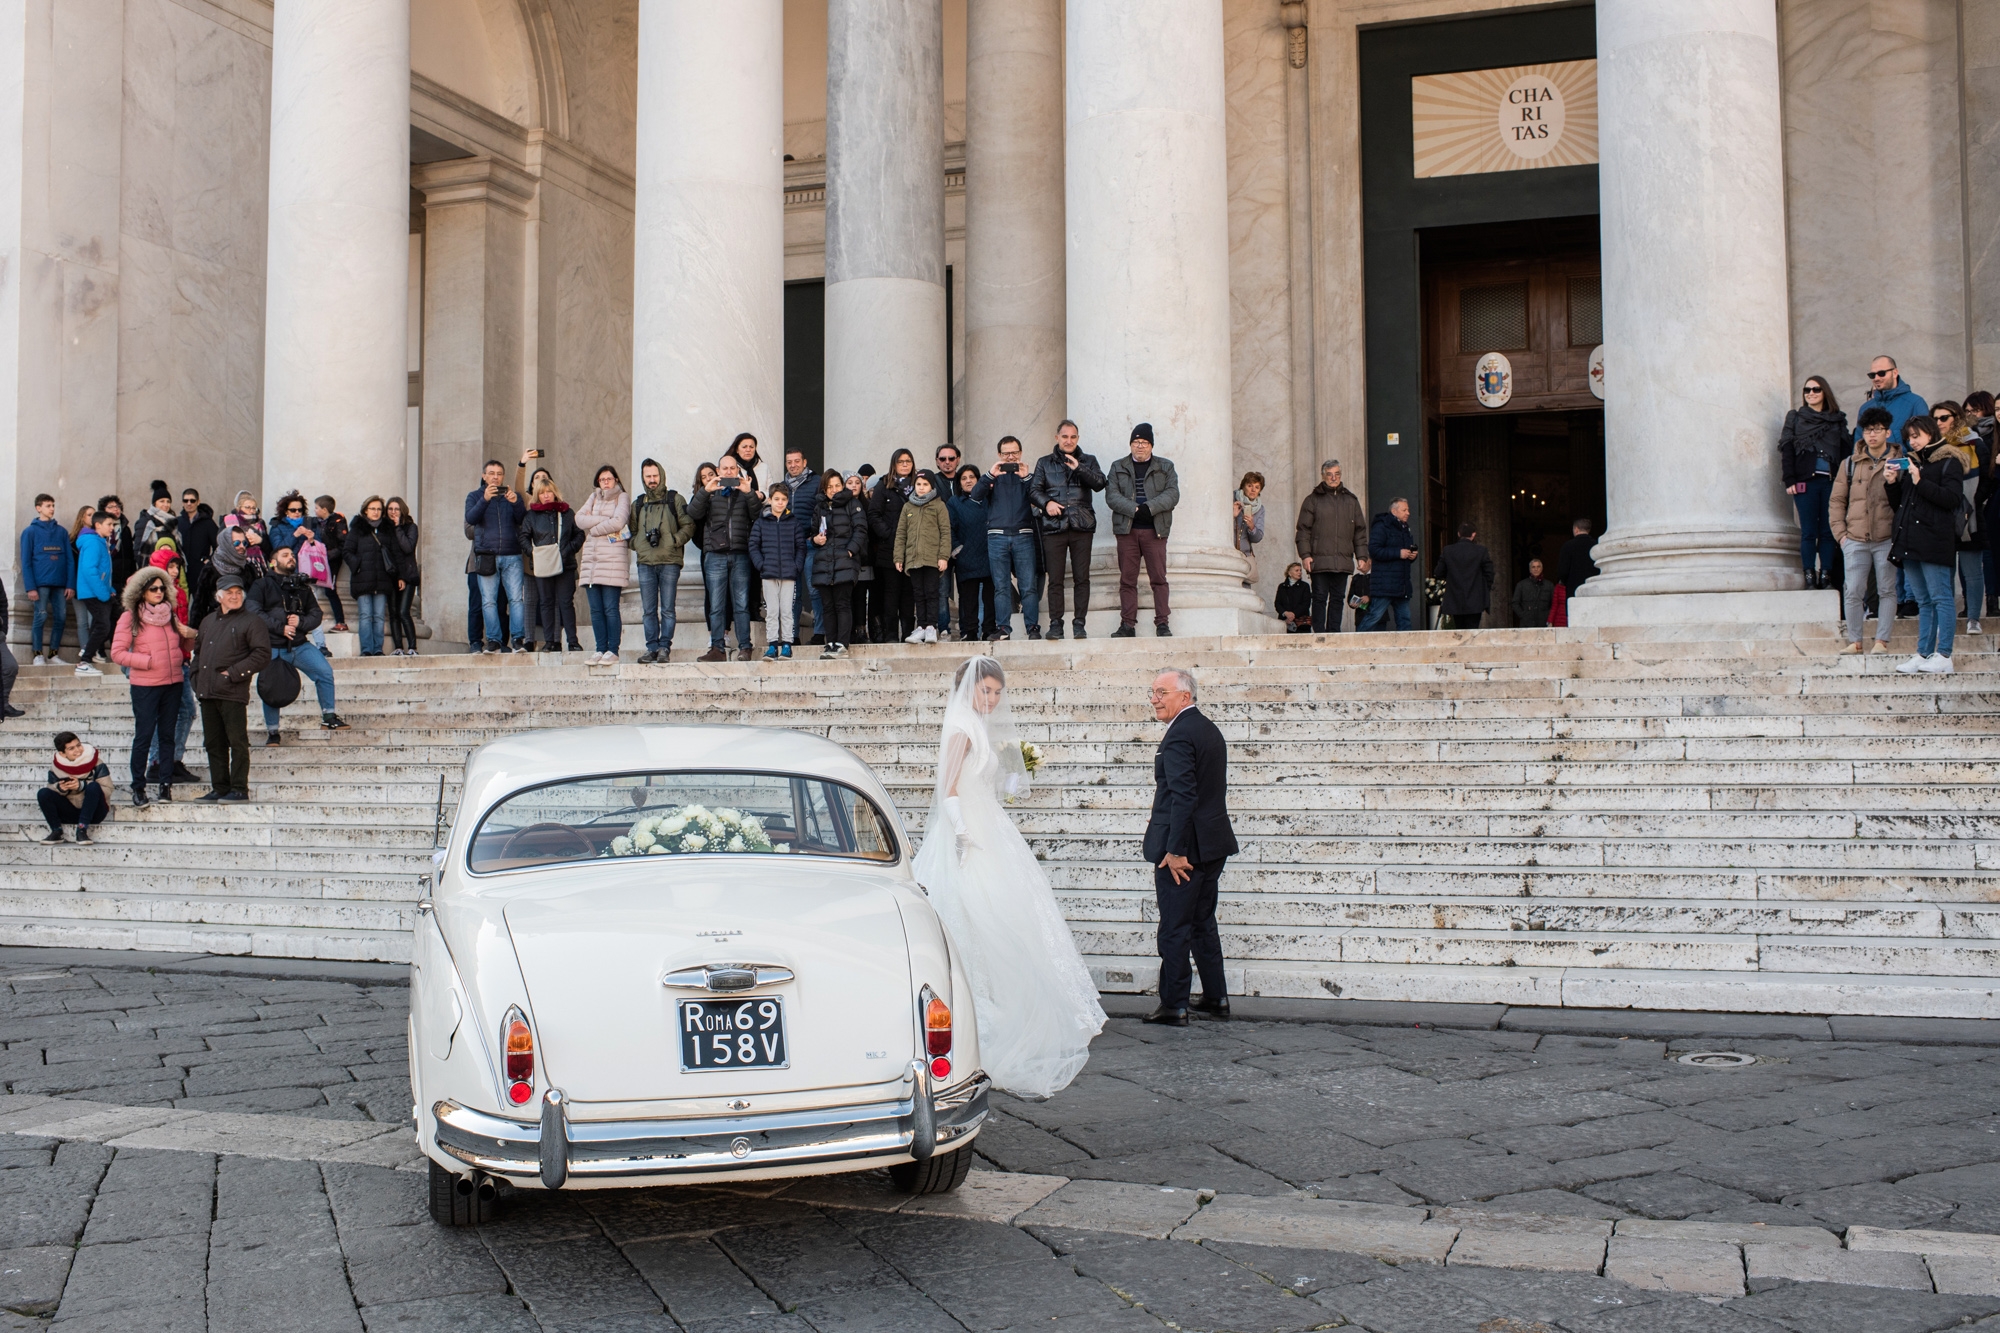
x=727, y=978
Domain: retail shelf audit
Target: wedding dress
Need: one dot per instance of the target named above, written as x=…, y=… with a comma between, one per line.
x=1034, y=1000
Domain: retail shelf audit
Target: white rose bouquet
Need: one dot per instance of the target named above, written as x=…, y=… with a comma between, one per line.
x=688, y=829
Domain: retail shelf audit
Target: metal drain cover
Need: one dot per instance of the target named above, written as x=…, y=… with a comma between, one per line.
x=1718, y=1059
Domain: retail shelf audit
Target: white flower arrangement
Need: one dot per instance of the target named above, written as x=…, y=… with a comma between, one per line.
x=1031, y=756
x=689, y=829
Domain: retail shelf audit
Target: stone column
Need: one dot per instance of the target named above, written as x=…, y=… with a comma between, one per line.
x=475, y=331
x=1014, y=307
x=708, y=268
x=1696, y=308
x=1148, y=278
x=336, y=336
x=885, y=327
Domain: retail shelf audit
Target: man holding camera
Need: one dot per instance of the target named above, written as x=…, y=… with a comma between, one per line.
x=661, y=527
x=284, y=599
x=1010, y=540
x=725, y=508
x=1060, y=491
x=494, y=513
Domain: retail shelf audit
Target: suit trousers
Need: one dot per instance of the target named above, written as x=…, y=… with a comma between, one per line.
x=1187, y=926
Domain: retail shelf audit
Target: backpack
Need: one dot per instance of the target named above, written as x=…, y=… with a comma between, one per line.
x=278, y=683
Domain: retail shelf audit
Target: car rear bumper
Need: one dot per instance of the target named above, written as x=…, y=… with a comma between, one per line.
x=599, y=1149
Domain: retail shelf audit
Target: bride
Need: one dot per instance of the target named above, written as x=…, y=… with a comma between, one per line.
x=1035, y=1002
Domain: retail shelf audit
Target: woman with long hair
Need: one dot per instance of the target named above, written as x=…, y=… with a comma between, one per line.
x=151, y=644
x=1959, y=434
x=605, y=567
x=402, y=530
x=371, y=571
x=256, y=535
x=550, y=540
x=841, y=544
x=1813, y=443
x=1928, y=492
x=893, y=613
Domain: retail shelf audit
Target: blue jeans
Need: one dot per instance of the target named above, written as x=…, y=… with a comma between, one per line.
x=1378, y=613
x=1012, y=556
x=605, y=626
x=1972, y=577
x=51, y=607
x=163, y=762
x=312, y=664
x=728, y=575
x=807, y=588
x=1815, y=534
x=374, y=611
x=658, y=586
x=1936, y=607
x=508, y=571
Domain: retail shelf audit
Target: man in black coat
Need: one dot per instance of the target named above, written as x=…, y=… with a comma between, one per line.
x=1574, y=566
x=723, y=511
x=285, y=601
x=1059, y=490
x=1467, y=570
x=1188, y=839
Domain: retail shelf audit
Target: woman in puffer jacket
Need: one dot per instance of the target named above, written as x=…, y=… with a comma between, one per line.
x=551, y=524
x=606, y=565
x=1928, y=492
x=371, y=557
x=149, y=643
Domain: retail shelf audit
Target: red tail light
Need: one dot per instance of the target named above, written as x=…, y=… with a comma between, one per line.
x=937, y=1033
x=519, y=1044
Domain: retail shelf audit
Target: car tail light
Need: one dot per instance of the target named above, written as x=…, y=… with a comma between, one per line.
x=937, y=1033
x=518, y=1041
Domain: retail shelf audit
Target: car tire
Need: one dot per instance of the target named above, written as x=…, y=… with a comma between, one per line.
x=458, y=1202
x=940, y=1175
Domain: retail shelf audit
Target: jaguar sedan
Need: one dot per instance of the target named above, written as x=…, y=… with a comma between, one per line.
x=662, y=955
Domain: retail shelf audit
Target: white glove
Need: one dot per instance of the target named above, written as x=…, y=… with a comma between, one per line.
x=1015, y=784
x=954, y=815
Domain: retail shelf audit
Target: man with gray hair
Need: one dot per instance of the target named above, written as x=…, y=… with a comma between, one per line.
x=1188, y=839
x=1332, y=541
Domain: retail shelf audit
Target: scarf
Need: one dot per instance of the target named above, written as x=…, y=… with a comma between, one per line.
x=1962, y=441
x=149, y=614
x=76, y=768
x=924, y=499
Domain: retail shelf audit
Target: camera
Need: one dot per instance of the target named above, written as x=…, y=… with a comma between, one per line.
x=728, y=483
x=652, y=536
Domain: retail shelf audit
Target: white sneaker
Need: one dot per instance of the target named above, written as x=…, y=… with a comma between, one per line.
x=86, y=669
x=40, y=660
x=1972, y=627
x=916, y=635
x=1937, y=664
x=1913, y=665
x=930, y=634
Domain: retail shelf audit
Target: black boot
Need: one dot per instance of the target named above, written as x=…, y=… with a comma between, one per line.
x=139, y=800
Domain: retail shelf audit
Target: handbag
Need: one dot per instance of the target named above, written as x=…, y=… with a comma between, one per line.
x=548, y=559
x=485, y=564
x=313, y=563
x=278, y=683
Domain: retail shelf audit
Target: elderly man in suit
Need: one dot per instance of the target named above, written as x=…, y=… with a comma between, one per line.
x=1188, y=839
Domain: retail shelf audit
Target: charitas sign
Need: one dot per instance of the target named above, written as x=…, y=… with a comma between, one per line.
x=1511, y=119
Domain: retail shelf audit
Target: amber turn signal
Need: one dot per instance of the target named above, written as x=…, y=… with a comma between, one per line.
x=519, y=1045
x=937, y=1024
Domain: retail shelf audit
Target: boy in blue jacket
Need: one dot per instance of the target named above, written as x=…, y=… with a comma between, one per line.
x=47, y=570
x=93, y=585
x=778, y=554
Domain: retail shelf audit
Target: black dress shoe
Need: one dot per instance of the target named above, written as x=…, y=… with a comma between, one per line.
x=1217, y=1008
x=1173, y=1018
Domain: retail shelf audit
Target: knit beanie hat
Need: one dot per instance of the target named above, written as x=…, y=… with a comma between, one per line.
x=1143, y=431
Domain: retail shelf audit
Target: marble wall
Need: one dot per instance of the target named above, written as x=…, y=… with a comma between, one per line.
x=1982, y=156
x=1874, y=191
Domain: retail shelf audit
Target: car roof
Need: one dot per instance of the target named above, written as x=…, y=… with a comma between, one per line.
x=528, y=759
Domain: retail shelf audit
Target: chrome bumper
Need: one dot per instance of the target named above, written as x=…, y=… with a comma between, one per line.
x=590, y=1149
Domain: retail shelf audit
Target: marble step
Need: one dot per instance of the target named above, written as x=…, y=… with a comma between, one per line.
x=68, y=876
x=346, y=945
x=228, y=910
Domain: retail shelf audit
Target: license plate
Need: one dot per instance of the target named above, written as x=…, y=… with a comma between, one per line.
x=733, y=1034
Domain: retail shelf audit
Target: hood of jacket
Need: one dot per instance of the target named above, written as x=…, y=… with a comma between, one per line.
x=135, y=587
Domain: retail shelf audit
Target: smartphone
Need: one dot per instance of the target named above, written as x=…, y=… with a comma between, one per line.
x=534, y=453
x=1010, y=467
x=729, y=483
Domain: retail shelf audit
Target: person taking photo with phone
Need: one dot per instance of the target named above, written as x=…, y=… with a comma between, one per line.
x=1927, y=486
x=725, y=507
x=1010, y=541
x=1060, y=491
x=1863, y=520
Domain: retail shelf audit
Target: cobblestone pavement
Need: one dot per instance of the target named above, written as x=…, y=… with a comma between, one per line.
x=1445, y=1131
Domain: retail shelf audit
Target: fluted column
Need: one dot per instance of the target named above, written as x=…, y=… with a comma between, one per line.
x=708, y=265
x=336, y=312
x=1696, y=336
x=1148, y=273
x=1015, y=367
x=885, y=325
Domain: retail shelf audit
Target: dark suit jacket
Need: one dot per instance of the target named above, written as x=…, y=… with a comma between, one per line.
x=1191, y=793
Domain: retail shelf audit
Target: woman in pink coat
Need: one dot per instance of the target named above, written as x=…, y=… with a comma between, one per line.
x=604, y=566
x=148, y=644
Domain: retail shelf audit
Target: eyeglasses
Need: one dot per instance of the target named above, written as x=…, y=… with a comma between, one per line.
x=1880, y=374
x=1944, y=416
x=1162, y=694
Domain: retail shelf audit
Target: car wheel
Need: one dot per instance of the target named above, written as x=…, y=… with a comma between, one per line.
x=458, y=1202
x=941, y=1175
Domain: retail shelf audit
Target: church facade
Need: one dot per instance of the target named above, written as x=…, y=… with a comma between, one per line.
x=1514, y=262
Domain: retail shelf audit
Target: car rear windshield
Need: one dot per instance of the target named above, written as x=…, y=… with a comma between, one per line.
x=679, y=814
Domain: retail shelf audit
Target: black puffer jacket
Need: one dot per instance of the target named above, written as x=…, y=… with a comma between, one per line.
x=1808, y=436
x=1054, y=480
x=885, y=513
x=1927, y=510
x=724, y=518
x=846, y=551
x=546, y=524
x=371, y=557
x=408, y=568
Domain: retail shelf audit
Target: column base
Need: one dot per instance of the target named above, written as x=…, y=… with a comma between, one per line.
x=1727, y=608
x=1205, y=594
x=1678, y=560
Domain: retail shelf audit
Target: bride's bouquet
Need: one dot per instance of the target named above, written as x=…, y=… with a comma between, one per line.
x=1031, y=757
x=688, y=829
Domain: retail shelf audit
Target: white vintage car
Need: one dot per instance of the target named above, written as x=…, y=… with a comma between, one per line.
x=661, y=955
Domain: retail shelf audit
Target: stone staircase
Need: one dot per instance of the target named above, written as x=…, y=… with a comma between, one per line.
x=1656, y=819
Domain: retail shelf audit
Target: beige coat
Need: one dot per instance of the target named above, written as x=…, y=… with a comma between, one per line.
x=606, y=554
x=1859, y=509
